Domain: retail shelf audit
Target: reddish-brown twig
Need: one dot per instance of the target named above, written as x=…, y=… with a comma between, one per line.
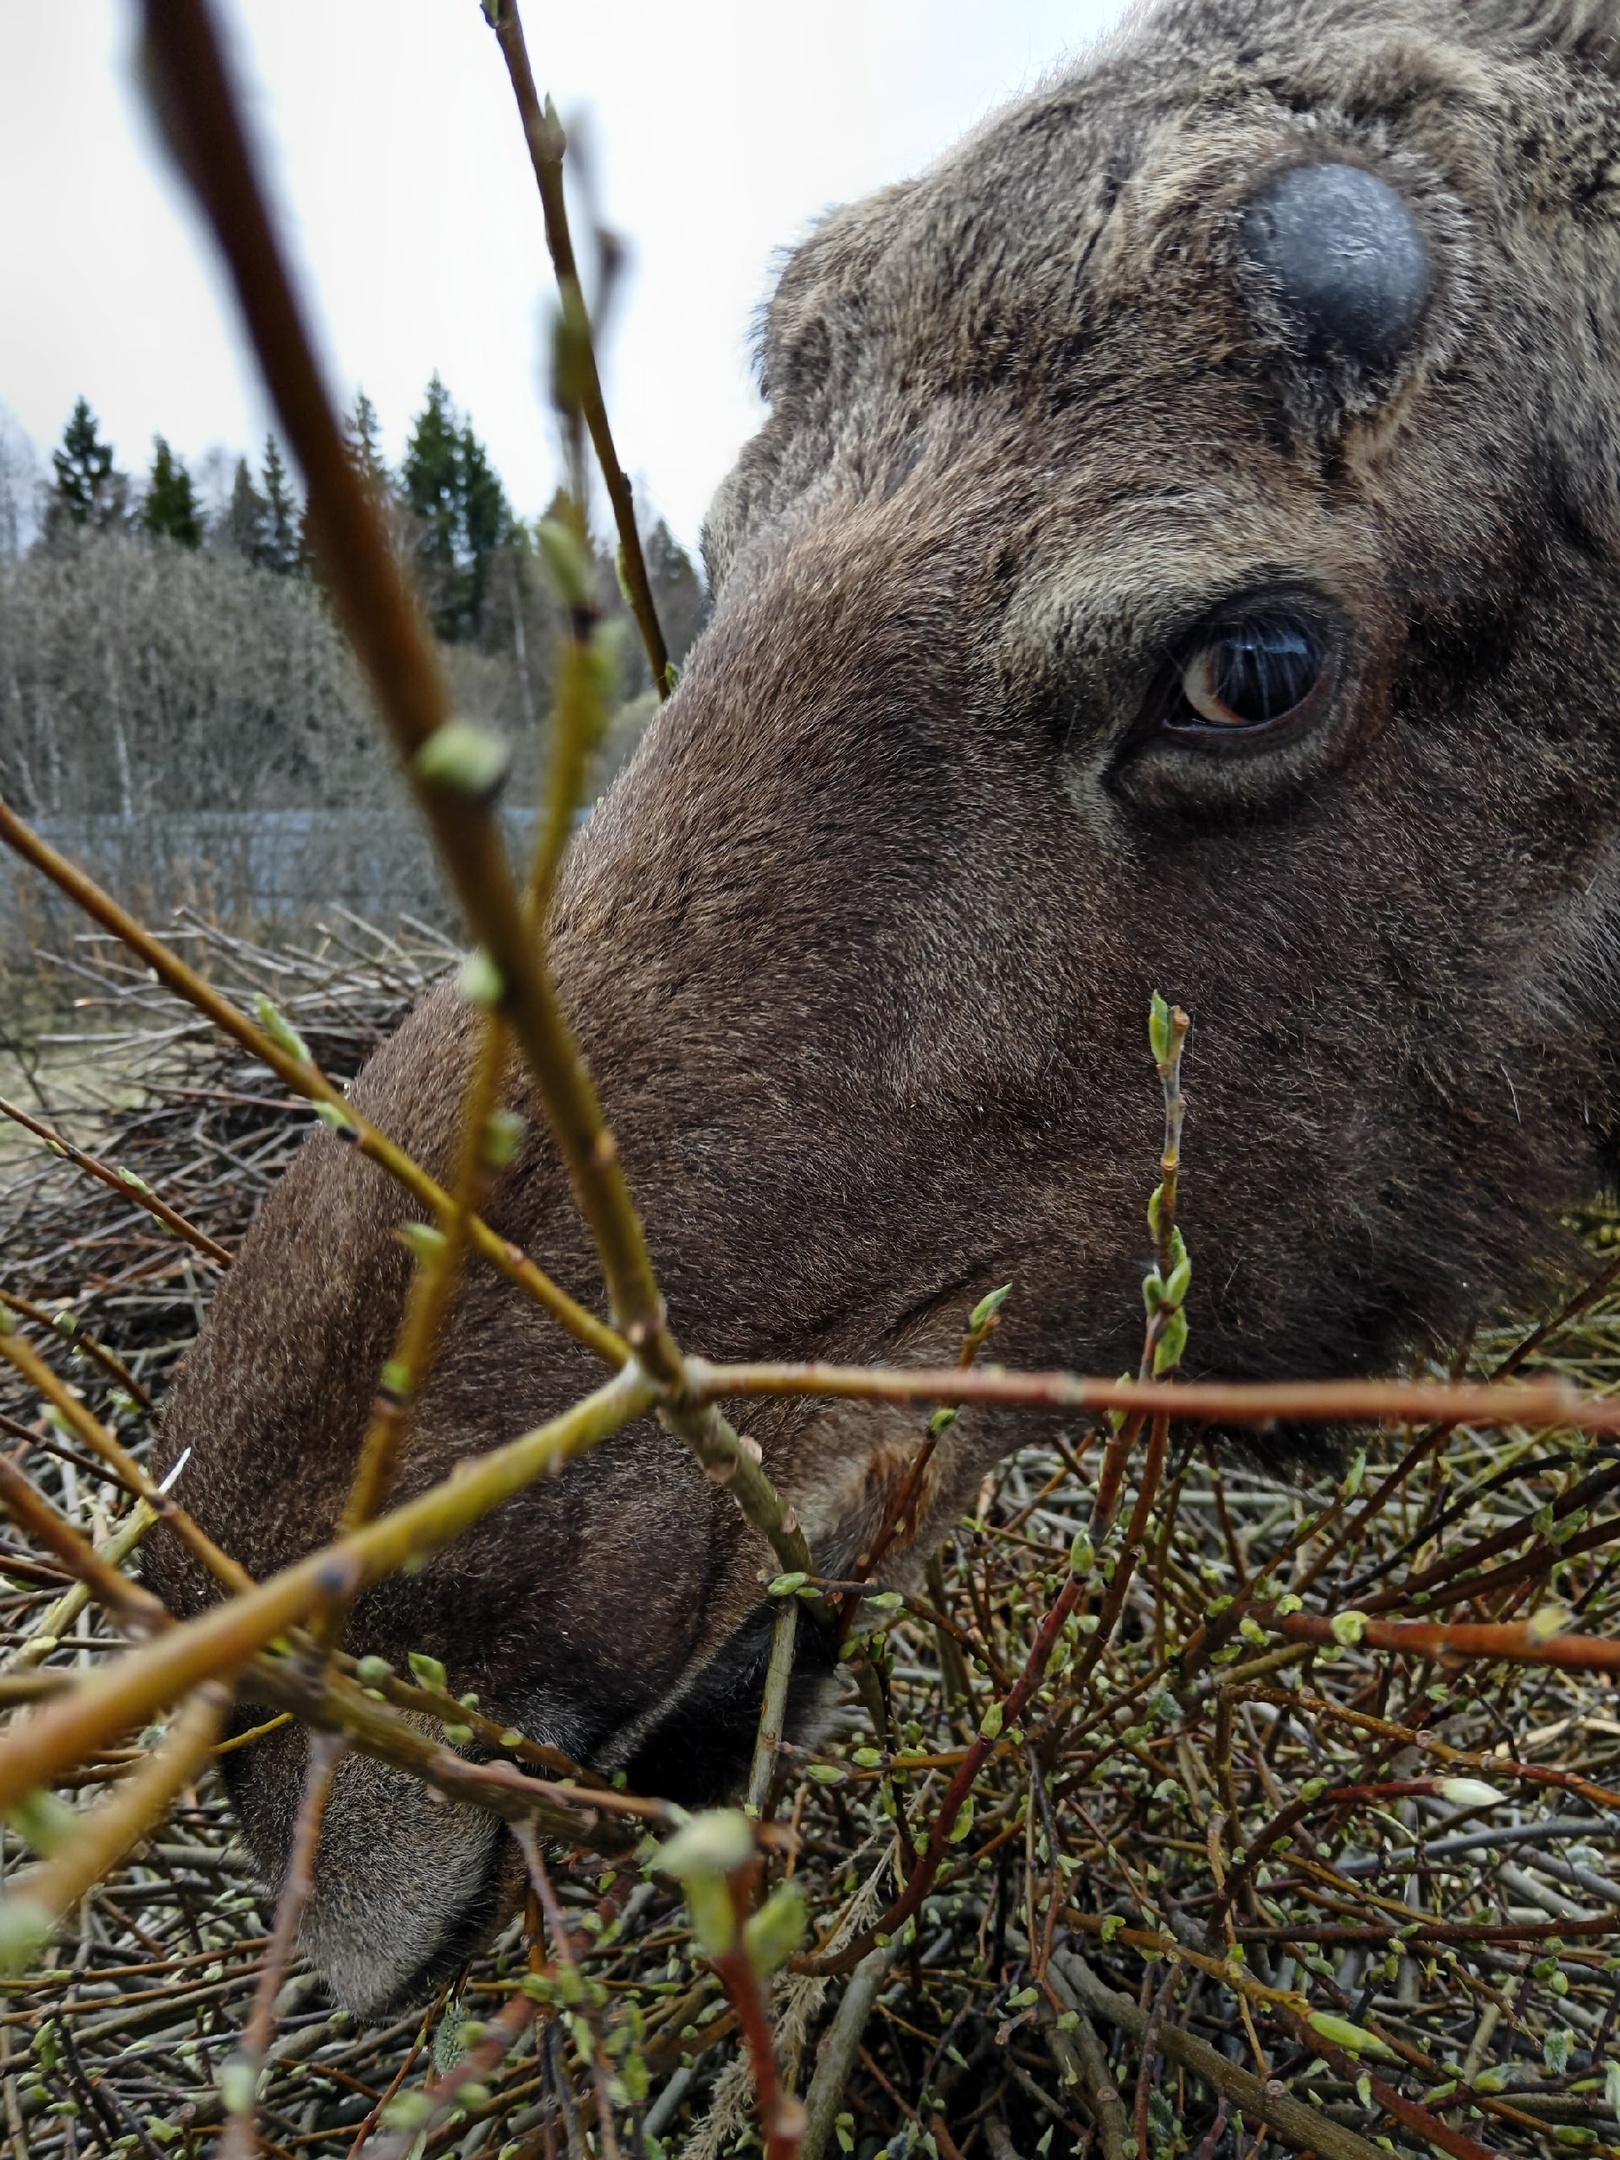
x=239, y=2079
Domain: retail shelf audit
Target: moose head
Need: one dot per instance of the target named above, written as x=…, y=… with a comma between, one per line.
x=1184, y=551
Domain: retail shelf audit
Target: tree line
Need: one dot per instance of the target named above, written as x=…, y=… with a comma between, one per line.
x=166, y=644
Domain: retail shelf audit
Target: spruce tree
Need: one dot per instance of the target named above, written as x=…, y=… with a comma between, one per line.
x=89, y=488
x=485, y=524
x=281, y=548
x=363, y=433
x=170, y=511
x=461, y=515
x=246, y=515
x=678, y=592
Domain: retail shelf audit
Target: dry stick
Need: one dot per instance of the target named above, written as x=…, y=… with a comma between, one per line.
x=1306, y=2128
x=773, y=1707
x=547, y=146
x=43, y=1897
x=198, y=109
x=136, y=1608
x=116, y=1696
x=1102, y=2094
x=836, y=2057
x=119, y=1181
x=305, y=1078
x=101, y=1442
x=239, y=2076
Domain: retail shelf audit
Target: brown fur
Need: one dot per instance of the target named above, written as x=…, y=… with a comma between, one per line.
x=861, y=945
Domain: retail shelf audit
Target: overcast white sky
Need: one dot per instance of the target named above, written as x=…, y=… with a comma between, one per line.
x=718, y=129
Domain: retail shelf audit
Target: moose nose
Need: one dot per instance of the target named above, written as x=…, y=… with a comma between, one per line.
x=1345, y=258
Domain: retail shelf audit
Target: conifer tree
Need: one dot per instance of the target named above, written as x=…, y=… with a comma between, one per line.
x=678, y=592
x=363, y=432
x=461, y=515
x=170, y=511
x=246, y=518
x=281, y=548
x=89, y=488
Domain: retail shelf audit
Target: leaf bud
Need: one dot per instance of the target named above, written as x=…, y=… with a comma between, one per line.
x=479, y=980
x=772, y=1934
x=987, y=1308
x=463, y=758
x=280, y=1029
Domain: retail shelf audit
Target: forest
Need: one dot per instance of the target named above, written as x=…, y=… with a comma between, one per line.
x=166, y=643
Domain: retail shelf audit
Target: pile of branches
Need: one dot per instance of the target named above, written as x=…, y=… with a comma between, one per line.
x=1197, y=1890
x=1180, y=1812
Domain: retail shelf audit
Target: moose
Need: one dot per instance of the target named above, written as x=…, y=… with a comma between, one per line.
x=1183, y=551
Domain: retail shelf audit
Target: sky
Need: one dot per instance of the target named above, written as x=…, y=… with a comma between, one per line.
x=717, y=131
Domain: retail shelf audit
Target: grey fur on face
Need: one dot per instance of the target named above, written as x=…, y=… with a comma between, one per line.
x=1106, y=604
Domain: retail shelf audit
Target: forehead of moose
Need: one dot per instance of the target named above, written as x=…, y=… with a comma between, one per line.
x=1121, y=200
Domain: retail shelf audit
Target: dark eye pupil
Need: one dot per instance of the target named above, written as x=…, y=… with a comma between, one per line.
x=1264, y=671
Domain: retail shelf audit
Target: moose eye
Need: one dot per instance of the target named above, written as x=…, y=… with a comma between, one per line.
x=1250, y=676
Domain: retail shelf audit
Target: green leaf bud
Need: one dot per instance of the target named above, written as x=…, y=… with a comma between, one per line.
x=1172, y=1342
x=715, y=1843
x=25, y=1929
x=44, y=1820
x=479, y=980
x=773, y=1933
x=503, y=1137
x=429, y=1672
x=463, y=758
x=280, y=1030
x=1160, y=1039
x=1354, y=2039
x=567, y=563
x=425, y=1242
x=987, y=1308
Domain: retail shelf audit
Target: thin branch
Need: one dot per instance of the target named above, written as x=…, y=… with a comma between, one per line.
x=548, y=144
x=239, y=2080
x=1536, y=1403
x=121, y=1183
x=197, y=106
